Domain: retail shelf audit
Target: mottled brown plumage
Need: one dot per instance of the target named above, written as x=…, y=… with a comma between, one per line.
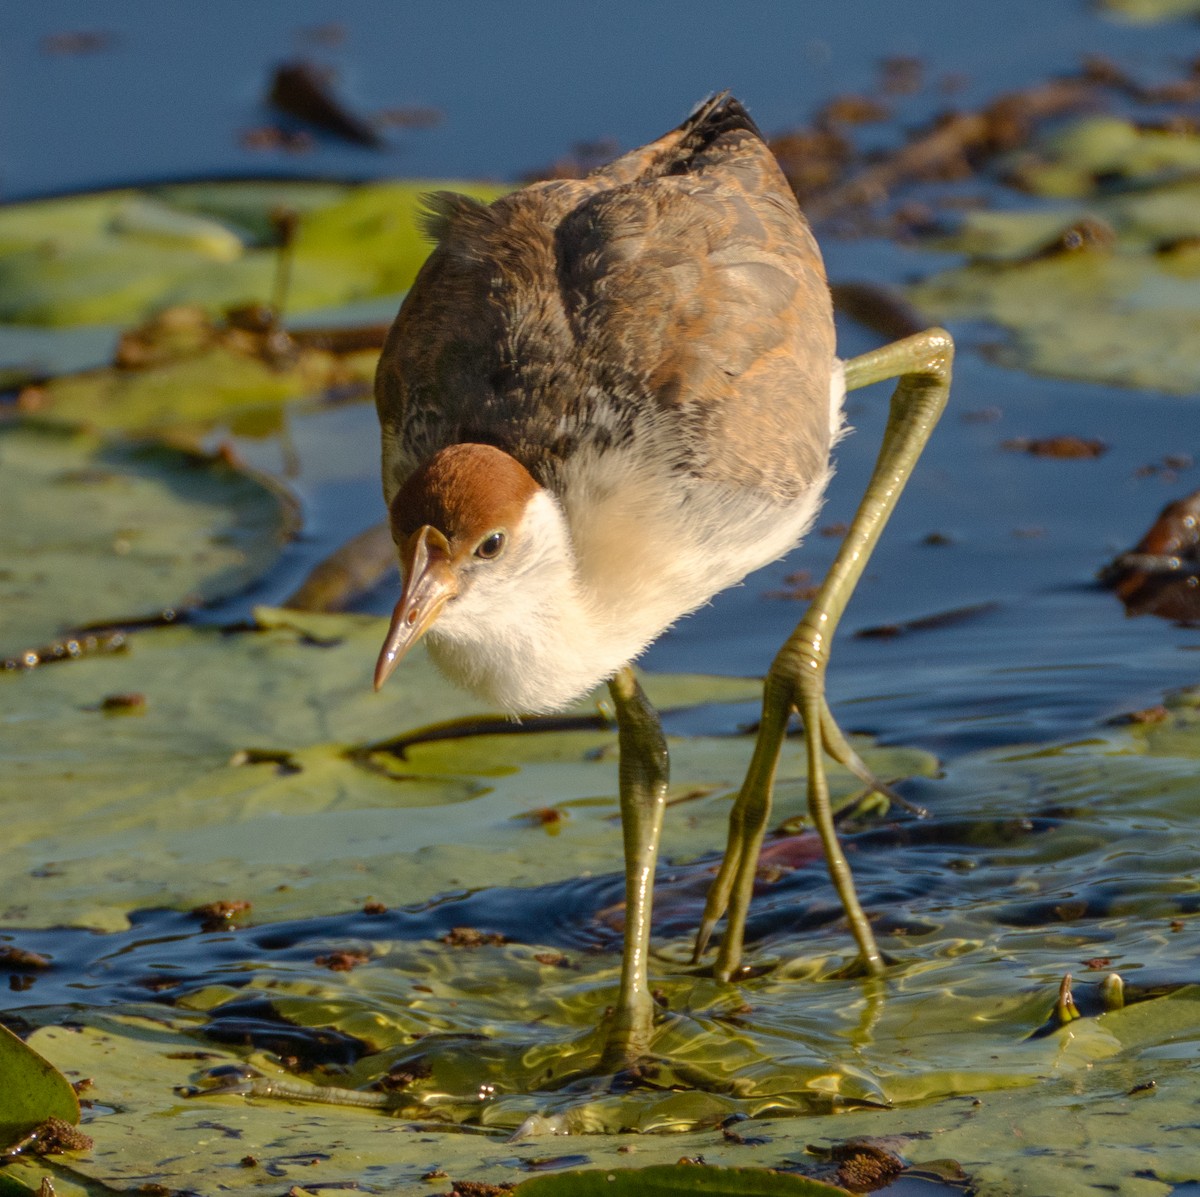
x=679, y=286
x=654, y=345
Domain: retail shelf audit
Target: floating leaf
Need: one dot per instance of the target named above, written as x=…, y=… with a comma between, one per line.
x=240, y=779
x=1105, y=291
x=150, y=809
x=197, y=373
x=119, y=256
x=31, y=1090
x=1146, y=12
x=95, y=531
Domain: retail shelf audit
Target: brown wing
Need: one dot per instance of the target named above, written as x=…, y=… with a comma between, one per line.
x=679, y=285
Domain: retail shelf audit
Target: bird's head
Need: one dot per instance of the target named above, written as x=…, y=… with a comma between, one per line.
x=458, y=523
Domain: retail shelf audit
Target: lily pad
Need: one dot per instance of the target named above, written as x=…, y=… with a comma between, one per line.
x=1146, y=12
x=1089, y=156
x=1102, y=288
x=120, y=256
x=32, y=1091
x=202, y=372
x=266, y=791
x=1012, y=882
x=96, y=531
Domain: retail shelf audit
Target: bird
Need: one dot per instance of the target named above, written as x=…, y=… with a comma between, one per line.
x=603, y=401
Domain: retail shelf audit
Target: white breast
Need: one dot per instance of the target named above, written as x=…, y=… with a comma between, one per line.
x=590, y=583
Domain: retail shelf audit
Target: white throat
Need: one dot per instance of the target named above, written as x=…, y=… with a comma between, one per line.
x=523, y=635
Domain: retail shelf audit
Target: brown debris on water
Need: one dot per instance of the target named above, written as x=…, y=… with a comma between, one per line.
x=69, y=648
x=955, y=146
x=478, y=1188
x=305, y=91
x=813, y=160
x=1160, y=575
x=928, y=623
x=853, y=110
x=20, y=960
x=1143, y=717
x=343, y=960
x=77, y=42
x=901, y=74
x=469, y=937
x=222, y=915
x=1063, y=447
x=272, y=137
x=410, y=116
x=51, y=1137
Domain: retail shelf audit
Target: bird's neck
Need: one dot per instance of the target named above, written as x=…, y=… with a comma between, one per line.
x=544, y=642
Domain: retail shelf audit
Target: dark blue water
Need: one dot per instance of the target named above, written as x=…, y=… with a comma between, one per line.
x=518, y=82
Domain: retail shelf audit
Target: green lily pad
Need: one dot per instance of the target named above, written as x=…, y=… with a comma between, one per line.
x=32, y=1091
x=119, y=256
x=155, y=810
x=1146, y=12
x=202, y=373
x=96, y=531
x=1086, y=157
x=147, y=1133
x=216, y=787
x=1077, y=1138
x=1103, y=290
x=1123, y=319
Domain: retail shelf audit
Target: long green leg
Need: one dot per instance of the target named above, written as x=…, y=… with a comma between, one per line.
x=796, y=679
x=644, y=773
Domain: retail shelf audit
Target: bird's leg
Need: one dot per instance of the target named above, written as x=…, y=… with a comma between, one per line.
x=797, y=675
x=644, y=771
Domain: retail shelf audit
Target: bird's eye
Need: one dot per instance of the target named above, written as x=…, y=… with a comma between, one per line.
x=491, y=546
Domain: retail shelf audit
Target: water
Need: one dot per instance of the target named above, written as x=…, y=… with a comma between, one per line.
x=1028, y=864
x=518, y=82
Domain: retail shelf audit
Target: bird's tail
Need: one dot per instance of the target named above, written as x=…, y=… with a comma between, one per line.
x=675, y=152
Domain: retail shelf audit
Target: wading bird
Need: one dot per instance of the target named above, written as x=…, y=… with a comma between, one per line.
x=603, y=401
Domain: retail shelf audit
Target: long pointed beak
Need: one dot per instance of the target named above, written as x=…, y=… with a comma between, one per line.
x=430, y=585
